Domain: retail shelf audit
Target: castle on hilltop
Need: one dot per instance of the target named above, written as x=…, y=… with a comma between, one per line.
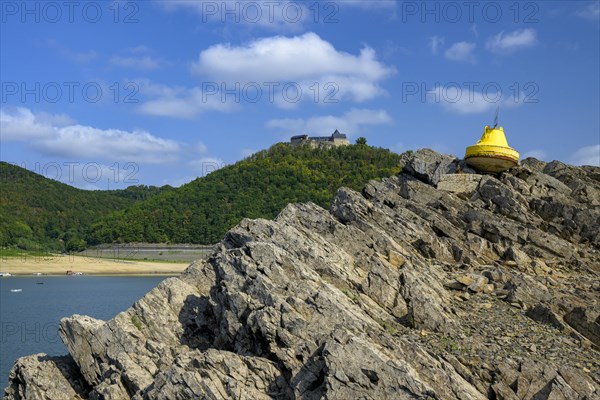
x=336, y=139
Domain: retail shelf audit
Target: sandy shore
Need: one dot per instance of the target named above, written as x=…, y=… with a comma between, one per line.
x=60, y=264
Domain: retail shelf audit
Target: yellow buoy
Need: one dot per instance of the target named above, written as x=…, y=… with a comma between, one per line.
x=492, y=153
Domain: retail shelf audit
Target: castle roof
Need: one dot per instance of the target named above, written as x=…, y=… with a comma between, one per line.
x=338, y=135
x=332, y=138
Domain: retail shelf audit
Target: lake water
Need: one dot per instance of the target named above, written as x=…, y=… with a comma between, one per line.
x=29, y=318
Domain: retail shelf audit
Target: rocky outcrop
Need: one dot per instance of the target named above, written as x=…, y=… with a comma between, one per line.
x=413, y=288
x=46, y=378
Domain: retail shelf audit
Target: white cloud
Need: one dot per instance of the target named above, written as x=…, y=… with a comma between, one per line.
x=144, y=62
x=352, y=123
x=588, y=155
x=516, y=40
x=58, y=136
x=303, y=60
x=170, y=107
x=461, y=51
x=52, y=119
x=20, y=124
x=286, y=58
x=590, y=11
x=149, y=88
x=285, y=71
x=182, y=102
x=535, y=153
x=435, y=42
x=461, y=100
x=199, y=148
x=93, y=143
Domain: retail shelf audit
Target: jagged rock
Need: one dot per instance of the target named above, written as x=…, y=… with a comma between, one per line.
x=466, y=280
x=473, y=282
x=224, y=375
x=587, y=322
x=494, y=275
x=368, y=300
x=526, y=291
x=396, y=259
x=520, y=258
x=544, y=314
x=533, y=381
x=42, y=377
x=135, y=345
x=428, y=165
x=480, y=284
x=533, y=164
x=459, y=183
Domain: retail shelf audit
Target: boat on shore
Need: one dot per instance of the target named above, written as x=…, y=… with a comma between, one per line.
x=5, y=274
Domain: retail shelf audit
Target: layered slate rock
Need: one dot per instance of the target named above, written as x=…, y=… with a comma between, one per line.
x=413, y=288
x=44, y=377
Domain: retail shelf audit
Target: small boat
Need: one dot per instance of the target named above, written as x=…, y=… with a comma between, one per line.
x=5, y=274
x=39, y=283
x=492, y=153
x=16, y=290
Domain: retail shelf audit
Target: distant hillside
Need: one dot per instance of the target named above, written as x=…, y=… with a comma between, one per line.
x=256, y=187
x=41, y=213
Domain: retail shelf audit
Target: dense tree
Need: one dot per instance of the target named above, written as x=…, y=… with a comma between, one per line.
x=257, y=187
x=361, y=140
x=40, y=213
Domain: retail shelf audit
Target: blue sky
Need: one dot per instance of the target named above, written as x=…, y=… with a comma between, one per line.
x=108, y=94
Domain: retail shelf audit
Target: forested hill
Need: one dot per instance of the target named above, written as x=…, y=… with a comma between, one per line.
x=41, y=213
x=257, y=187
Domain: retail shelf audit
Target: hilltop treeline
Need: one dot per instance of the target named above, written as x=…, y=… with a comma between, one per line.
x=41, y=213
x=256, y=187
x=36, y=210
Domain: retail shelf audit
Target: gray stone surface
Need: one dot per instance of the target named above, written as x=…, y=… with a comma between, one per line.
x=401, y=291
x=429, y=165
x=459, y=183
x=42, y=377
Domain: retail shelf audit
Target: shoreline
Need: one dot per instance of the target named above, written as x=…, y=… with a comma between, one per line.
x=58, y=265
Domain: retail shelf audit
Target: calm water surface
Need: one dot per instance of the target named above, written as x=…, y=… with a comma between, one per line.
x=29, y=318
